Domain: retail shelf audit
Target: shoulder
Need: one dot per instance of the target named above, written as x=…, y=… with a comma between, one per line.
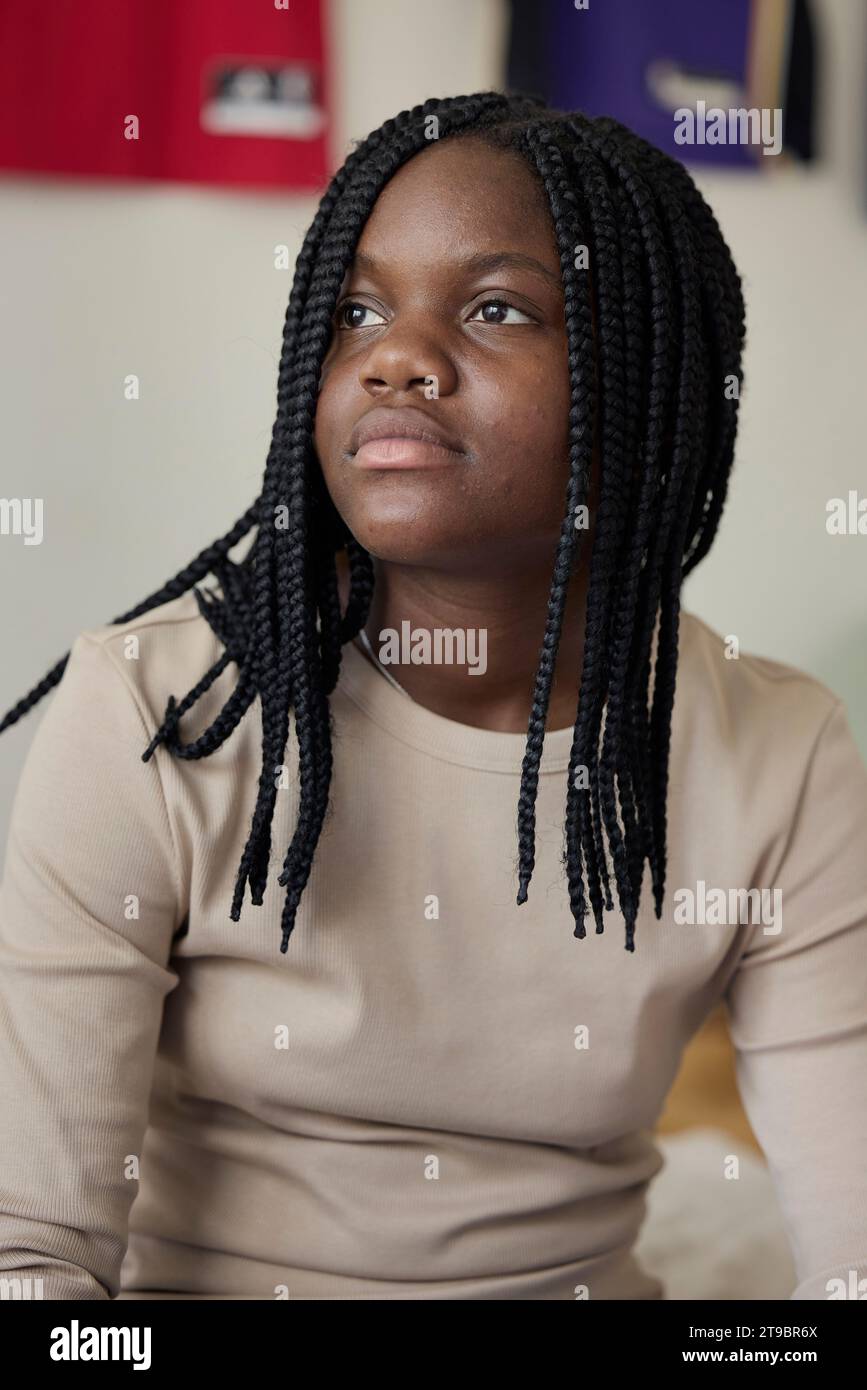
x=769, y=750
x=164, y=619
x=747, y=699
x=160, y=653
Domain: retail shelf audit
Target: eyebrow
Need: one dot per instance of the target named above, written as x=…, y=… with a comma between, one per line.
x=481, y=263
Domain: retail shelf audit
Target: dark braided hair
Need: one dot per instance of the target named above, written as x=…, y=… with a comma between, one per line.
x=655, y=331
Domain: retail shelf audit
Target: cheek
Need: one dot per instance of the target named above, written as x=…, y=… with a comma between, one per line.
x=328, y=399
x=333, y=420
x=525, y=423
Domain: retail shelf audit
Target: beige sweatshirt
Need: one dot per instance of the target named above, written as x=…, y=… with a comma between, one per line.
x=435, y=1094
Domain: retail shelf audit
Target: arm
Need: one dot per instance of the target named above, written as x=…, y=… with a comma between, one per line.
x=82, y=980
x=798, y=1015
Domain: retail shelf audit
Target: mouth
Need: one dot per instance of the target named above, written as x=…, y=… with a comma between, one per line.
x=403, y=451
x=390, y=438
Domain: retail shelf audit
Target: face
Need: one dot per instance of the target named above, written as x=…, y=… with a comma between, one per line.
x=450, y=325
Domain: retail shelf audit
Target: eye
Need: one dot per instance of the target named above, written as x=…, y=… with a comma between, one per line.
x=500, y=309
x=351, y=307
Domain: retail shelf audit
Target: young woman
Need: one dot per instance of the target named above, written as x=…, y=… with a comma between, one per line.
x=512, y=347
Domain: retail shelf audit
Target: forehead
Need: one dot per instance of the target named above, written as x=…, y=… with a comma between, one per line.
x=456, y=198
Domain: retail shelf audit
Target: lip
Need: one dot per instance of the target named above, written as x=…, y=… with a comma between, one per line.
x=404, y=437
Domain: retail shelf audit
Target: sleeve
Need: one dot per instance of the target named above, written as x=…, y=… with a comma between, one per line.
x=797, y=1007
x=89, y=903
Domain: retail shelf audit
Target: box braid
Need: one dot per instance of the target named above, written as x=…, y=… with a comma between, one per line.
x=705, y=269
x=653, y=331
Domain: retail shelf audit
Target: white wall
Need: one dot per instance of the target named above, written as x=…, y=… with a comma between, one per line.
x=774, y=576
x=178, y=285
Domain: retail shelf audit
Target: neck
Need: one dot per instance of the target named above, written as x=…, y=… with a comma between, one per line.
x=502, y=622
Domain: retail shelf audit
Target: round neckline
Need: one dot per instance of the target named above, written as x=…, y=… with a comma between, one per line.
x=394, y=711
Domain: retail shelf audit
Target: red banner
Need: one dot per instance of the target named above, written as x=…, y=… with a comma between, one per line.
x=205, y=91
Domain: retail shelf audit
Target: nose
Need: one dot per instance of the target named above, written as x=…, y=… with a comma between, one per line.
x=410, y=356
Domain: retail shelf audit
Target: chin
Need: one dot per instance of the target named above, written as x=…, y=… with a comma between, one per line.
x=403, y=535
